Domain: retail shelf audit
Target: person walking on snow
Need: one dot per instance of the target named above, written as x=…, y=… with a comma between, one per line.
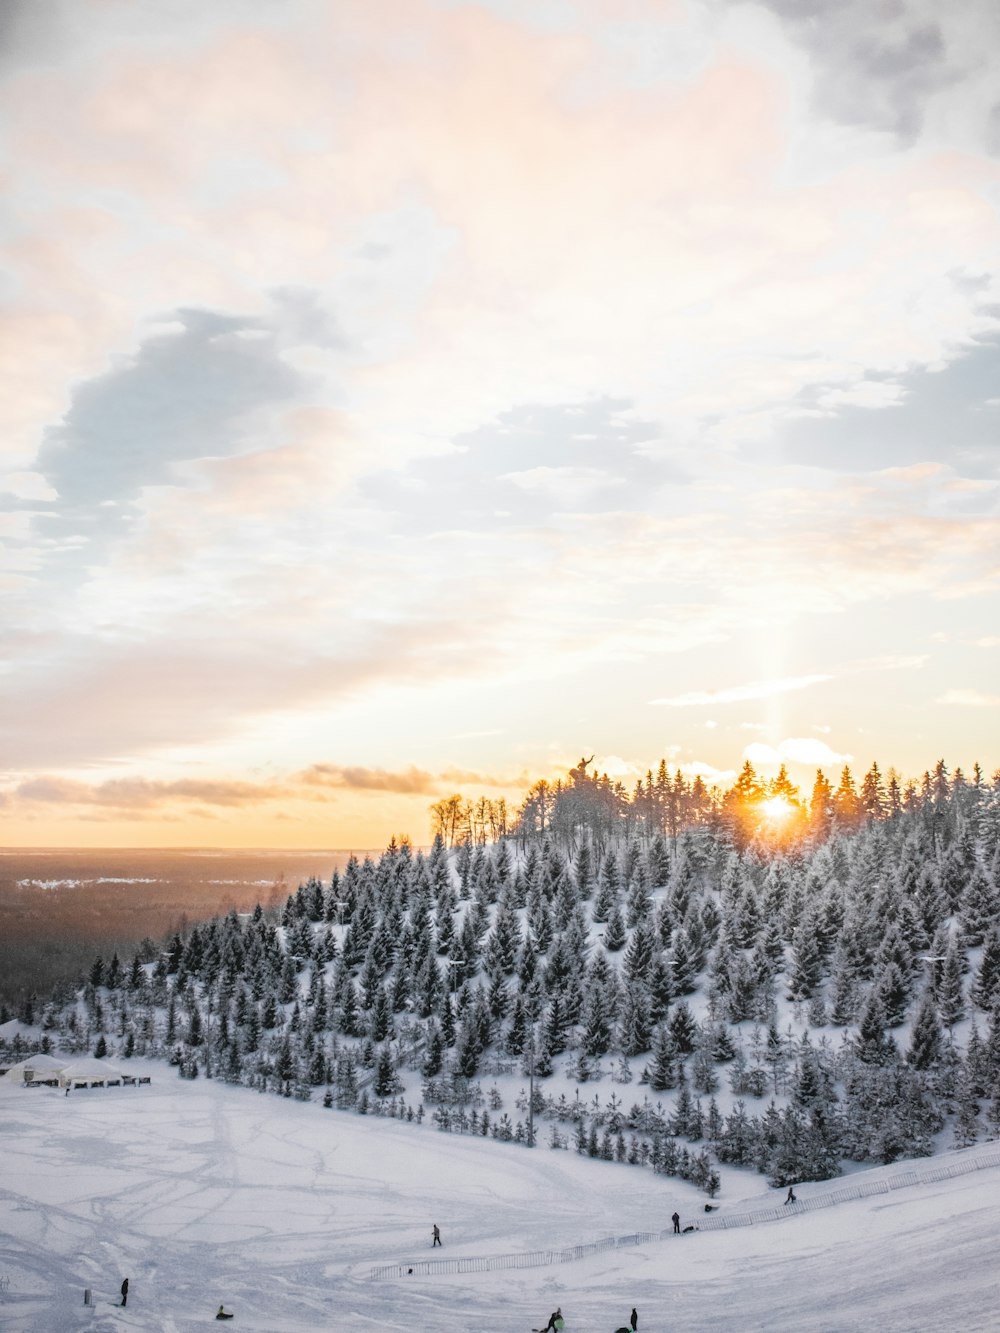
x=676, y=1219
x=555, y=1321
x=124, y=1293
x=436, y=1237
x=635, y=1319
x=791, y=1195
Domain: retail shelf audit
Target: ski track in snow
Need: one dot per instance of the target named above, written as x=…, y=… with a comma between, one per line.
x=202, y=1193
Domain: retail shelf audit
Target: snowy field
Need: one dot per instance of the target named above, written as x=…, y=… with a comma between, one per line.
x=202, y=1193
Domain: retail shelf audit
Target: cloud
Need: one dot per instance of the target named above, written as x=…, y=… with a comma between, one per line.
x=795, y=750
x=941, y=416
x=615, y=767
x=29, y=29
x=184, y=395
x=969, y=699
x=887, y=662
x=882, y=65
x=136, y=795
x=758, y=689
x=714, y=777
x=145, y=794
x=528, y=464
x=413, y=781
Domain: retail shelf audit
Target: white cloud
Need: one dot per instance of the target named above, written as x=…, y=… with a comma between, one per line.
x=26, y=486
x=970, y=699
x=794, y=750
x=869, y=393
x=758, y=689
x=808, y=750
x=709, y=774
x=761, y=755
x=615, y=767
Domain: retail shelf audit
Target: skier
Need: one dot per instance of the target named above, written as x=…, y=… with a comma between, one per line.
x=676, y=1219
x=635, y=1319
x=124, y=1293
x=436, y=1237
x=222, y=1314
x=790, y=1197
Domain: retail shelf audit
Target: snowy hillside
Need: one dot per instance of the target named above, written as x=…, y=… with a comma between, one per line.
x=706, y=1013
x=791, y=1002
x=202, y=1193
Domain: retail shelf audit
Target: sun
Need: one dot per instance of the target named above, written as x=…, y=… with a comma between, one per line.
x=776, y=809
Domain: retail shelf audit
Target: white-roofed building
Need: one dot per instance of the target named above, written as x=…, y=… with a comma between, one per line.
x=38, y=1068
x=90, y=1073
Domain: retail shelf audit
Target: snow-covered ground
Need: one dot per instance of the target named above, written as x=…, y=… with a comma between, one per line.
x=202, y=1193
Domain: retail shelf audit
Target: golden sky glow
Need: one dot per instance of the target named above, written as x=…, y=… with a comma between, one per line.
x=400, y=399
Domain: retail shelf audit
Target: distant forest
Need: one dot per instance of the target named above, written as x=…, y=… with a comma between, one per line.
x=767, y=812
x=58, y=909
x=688, y=979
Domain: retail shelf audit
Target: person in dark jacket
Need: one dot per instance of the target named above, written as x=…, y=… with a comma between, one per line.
x=790, y=1197
x=124, y=1293
x=634, y=1319
x=555, y=1321
x=436, y=1237
x=676, y=1219
x=222, y=1314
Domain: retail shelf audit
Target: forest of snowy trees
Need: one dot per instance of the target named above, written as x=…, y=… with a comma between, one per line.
x=686, y=977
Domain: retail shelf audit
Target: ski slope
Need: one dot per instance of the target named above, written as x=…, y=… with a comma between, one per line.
x=202, y=1193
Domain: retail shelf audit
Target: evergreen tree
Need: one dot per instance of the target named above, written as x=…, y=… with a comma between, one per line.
x=949, y=988
x=614, y=934
x=807, y=959
x=661, y=1072
x=683, y=1028
x=967, y=1124
x=638, y=903
x=660, y=986
x=638, y=957
x=634, y=1029
x=893, y=994
x=604, y=901
x=683, y=963
x=596, y=1039
x=986, y=985
x=434, y=1052
x=874, y=1045
x=927, y=1039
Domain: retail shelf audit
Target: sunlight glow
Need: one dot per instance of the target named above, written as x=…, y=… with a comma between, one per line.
x=776, y=808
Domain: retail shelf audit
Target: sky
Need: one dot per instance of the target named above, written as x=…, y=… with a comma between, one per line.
x=404, y=397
